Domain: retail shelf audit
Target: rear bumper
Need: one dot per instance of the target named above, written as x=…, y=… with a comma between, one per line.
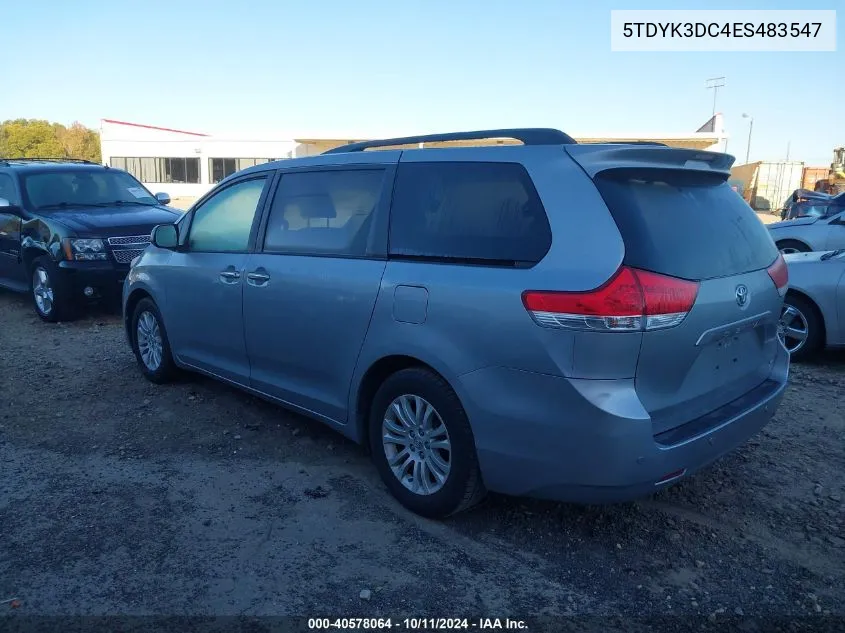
x=591, y=441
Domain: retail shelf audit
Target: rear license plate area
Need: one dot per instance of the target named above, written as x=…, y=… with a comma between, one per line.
x=735, y=354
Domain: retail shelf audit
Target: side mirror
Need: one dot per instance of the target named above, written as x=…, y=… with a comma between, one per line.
x=163, y=198
x=8, y=207
x=165, y=236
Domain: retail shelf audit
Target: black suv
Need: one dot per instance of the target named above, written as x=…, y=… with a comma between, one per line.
x=69, y=230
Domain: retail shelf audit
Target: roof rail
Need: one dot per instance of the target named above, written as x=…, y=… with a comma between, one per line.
x=21, y=159
x=529, y=136
x=657, y=143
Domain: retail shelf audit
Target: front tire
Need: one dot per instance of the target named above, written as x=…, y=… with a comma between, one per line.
x=150, y=343
x=423, y=446
x=51, y=296
x=800, y=329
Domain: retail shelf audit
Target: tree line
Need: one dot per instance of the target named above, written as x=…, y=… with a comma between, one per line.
x=36, y=138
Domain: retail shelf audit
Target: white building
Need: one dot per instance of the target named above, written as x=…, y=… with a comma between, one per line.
x=187, y=164
x=184, y=164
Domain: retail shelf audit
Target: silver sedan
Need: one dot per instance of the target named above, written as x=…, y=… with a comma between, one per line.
x=813, y=314
x=821, y=228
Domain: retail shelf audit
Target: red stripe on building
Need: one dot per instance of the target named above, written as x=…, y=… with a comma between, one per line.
x=153, y=127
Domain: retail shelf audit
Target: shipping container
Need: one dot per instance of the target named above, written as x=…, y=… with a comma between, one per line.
x=745, y=174
x=811, y=175
x=768, y=185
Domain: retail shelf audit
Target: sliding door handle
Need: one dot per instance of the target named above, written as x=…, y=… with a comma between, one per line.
x=257, y=278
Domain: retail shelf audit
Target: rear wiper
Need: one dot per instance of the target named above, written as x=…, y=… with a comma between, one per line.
x=835, y=253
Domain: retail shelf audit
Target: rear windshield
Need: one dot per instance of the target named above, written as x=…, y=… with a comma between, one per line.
x=815, y=209
x=685, y=224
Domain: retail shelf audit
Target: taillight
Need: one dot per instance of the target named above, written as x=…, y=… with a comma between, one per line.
x=780, y=275
x=633, y=300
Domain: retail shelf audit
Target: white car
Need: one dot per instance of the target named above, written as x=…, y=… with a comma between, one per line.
x=813, y=313
x=821, y=227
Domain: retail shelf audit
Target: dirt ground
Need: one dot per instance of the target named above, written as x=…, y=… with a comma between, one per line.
x=182, y=203
x=768, y=218
x=121, y=497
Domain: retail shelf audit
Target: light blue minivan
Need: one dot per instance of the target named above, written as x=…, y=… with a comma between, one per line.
x=578, y=322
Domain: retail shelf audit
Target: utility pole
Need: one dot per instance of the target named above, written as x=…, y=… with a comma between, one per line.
x=714, y=84
x=750, y=128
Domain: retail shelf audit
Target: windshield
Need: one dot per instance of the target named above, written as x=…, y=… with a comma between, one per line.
x=85, y=188
x=816, y=209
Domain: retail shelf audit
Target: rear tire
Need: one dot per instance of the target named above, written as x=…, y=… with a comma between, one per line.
x=150, y=343
x=801, y=317
x=792, y=246
x=50, y=293
x=426, y=477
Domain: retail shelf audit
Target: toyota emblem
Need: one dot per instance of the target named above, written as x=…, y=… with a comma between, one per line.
x=742, y=295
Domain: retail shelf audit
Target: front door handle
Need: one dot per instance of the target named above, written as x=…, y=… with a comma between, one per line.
x=257, y=278
x=230, y=276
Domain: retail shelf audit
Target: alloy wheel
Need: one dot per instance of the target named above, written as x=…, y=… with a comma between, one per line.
x=42, y=291
x=416, y=444
x=792, y=328
x=150, y=343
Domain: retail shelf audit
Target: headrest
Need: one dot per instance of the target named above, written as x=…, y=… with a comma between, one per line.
x=315, y=206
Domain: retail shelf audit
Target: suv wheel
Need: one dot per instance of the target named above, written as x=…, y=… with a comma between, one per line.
x=49, y=294
x=150, y=344
x=423, y=446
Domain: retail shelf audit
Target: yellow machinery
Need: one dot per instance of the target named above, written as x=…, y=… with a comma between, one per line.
x=835, y=181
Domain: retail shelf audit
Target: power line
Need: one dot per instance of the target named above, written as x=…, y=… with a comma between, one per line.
x=714, y=84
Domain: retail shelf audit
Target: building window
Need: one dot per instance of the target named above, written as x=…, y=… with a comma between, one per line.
x=179, y=170
x=220, y=168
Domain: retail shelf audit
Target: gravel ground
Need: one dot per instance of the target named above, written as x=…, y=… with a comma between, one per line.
x=768, y=218
x=121, y=497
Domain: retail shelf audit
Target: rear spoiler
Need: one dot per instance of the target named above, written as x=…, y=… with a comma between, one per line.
x=595, y=159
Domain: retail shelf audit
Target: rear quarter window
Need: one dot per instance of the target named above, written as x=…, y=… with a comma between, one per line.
x=685, y=224
x=468, y=212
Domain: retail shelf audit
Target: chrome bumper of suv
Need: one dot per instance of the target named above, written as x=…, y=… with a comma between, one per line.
x=100, y=279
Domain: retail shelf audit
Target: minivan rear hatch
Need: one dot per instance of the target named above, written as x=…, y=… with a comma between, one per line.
x=678, y=217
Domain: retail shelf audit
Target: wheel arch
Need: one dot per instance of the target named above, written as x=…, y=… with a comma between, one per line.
x=795, y=292
x=378, y=371
x=795, y=240
x=132, y=300
x=30, y=254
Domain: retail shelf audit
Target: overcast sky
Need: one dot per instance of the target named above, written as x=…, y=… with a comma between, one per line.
x=378, y=68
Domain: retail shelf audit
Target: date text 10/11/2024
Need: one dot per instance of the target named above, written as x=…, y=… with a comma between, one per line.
x=416, y=624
